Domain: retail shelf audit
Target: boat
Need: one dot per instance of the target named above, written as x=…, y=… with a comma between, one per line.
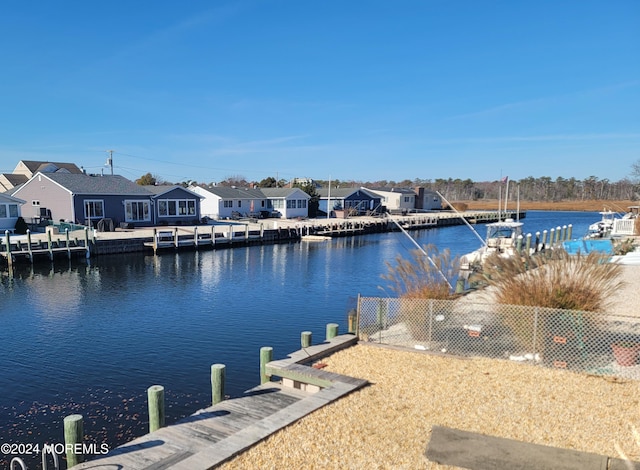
x=502, y=239
x=604, y=227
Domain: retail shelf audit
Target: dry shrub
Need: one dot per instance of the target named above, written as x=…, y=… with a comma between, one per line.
x=555, y=279
x=460, y=206
x=429, y=276
x=423, y=276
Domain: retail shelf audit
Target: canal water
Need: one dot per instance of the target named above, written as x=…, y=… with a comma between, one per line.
x=90, y=337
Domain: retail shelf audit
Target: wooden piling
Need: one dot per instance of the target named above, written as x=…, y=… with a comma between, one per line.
x=155, y=397
x=332, y=330
x=266, y=356
x=73, y=432
x=305, y=339
x=569, y=231
x=352, y=320
x=49, y=245
x=66, y=231
x=528, y=243
x=7, y=241
x=29, y=245
x=217, y=383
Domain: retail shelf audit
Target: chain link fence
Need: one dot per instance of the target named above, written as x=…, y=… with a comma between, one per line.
x=568, y=339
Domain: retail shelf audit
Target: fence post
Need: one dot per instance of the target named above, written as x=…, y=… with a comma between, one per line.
x=519, y=243
x=569, y=231
x=266, y=355
x=352, y=320
x=332, y=330
x=217, y=383
x=155, y=397
x=544, y=238
x=537, y=242
x=563, y=235
x=552, y=236
x=528, y=243
x=305, y=339
x=73, y=432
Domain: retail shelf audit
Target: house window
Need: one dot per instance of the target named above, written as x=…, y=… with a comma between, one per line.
x=239, y=203
x=13, y=210
x=278, y=203
x=137, y=211
x=227, y=203
x=93, y=209
x=176, y=207
x=291, y=204
x=3, y=211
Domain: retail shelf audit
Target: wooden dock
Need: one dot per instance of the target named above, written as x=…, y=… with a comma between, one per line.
x=216, y=434
x=28, y=247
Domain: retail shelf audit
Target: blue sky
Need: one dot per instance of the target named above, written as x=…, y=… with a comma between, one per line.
x=364, y=90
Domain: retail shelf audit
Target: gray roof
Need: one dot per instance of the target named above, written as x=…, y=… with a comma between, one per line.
x=395, y=190
x=342, y=193
x=106, y=185
x=226, y=192
x=7, y=198
x=14, y=179
x=34, y=166
x=280, y=192
x=160, y=189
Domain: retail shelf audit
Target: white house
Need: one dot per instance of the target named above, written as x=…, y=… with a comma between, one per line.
x=396, y=199
x=10, y=210
x=222, y=202
x=291, y=203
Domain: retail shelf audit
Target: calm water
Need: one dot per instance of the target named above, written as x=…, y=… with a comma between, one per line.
x=91, y=338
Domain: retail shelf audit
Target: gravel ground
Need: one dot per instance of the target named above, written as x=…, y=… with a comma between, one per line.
x=387, y=425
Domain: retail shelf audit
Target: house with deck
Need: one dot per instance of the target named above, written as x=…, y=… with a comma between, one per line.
x=291, y=203
x=349, y=202
x=99, y=201
x=174, y=205
x=396, y=200
x=222, y=202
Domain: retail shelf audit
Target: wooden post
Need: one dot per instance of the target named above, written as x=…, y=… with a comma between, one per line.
x=7, y=241
x=195, y=237
x=537, y=241
x=246, y=233
x=155, y=240
x=73, y=432
x=86, y=242
x=332, y=330
x=66, y=231
x=155, y=397
x=29, y=245
x=217, y=383
x=305, y=339
x=213, y=236
x=175, y=237
x=552, y=234
x=49, y=245
x=544, y=238
x=352, y=320
x=230, y=233
x=558, y=230
x=519, y=243
x=564, y=233
x=528, y=243
x=460, y=286
x=266, y=355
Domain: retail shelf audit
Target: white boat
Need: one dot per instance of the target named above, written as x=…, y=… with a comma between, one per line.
x=604, y=227
x=502, y=239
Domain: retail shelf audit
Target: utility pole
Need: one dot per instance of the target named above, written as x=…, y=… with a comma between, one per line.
x=110, y=161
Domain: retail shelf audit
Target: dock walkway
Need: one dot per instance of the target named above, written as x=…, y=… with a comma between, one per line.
x=215, y=434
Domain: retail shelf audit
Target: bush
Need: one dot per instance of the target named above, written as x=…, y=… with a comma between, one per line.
x=21, y=226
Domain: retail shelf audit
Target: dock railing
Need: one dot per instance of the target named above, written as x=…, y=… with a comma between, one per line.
x=567, y=339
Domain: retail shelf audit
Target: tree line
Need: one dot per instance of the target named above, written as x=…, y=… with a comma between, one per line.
x=542, y=188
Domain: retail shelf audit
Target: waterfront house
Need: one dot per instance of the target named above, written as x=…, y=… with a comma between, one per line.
x=428, y=200
x=223, y=202
x=174, y=205
x=10, y=210
x=291, y=203
x=349, y=201
x=85, y=199
x=396, y=199
x=25, y=169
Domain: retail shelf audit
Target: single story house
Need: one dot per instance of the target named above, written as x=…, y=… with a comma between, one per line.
x=174, y=205
x=113, y=199
x=222, y=202
x=397, y=199
x=353, y=201
x=428, y=200
x=10, y=211
x=291, y=203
